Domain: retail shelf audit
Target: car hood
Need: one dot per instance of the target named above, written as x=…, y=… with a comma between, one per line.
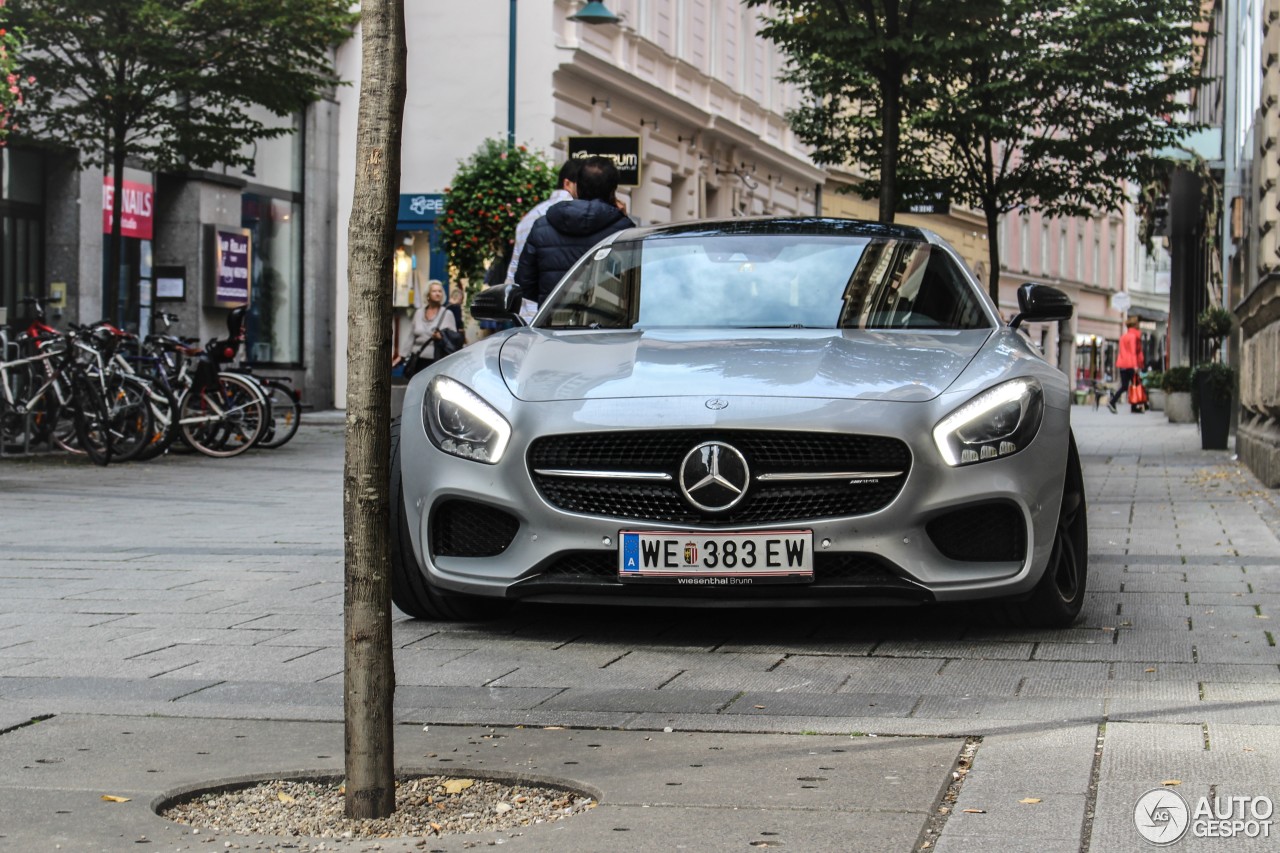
x=541, y=366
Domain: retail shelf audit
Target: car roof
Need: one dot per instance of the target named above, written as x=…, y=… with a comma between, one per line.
x=794, y=225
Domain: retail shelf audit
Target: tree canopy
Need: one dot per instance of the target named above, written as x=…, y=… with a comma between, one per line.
x=1008, y=103
x=172, y=83
x=490, y=192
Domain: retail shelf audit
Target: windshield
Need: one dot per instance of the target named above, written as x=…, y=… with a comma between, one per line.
x=764, y=281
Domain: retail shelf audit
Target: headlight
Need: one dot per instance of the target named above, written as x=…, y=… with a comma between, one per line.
x=461, y=423
x=998, y=422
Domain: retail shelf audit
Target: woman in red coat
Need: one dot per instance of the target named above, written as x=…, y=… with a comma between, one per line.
x=1129, y=360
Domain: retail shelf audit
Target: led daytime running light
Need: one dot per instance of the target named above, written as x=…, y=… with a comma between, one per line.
x=944, y=434
x=445, y=390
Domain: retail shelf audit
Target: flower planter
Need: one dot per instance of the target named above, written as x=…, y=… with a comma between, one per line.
x=1157, y=399
x=1177, y=407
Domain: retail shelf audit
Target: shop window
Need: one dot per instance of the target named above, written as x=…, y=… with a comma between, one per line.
x=22, y=227
x=274, y=333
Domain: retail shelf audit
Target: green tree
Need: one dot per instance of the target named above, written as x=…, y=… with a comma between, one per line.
x=490, y=192
x=170, y=84
x=863, y=67
x=1005, y=103
x=1066, y=109
x=369, y=685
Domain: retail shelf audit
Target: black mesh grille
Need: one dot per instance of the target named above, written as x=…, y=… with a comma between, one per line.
x=601, y=567
x=467, y=529
x=765, y=452
x=987, y=533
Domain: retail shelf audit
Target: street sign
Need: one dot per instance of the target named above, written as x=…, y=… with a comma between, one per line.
x=1121, y=300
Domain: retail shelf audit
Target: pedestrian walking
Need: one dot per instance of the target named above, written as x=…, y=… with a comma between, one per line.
x=1129, y=360
x=570, y=228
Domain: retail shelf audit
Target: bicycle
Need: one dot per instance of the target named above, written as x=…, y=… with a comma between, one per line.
x=105, y=409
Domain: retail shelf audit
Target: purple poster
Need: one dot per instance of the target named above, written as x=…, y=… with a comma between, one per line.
x=232, y=285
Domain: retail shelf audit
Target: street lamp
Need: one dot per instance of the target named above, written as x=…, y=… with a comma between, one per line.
x=595, y=13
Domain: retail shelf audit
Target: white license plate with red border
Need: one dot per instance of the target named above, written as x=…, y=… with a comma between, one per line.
x=721, y=559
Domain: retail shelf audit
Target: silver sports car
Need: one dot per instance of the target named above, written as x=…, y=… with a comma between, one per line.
x=753, y=412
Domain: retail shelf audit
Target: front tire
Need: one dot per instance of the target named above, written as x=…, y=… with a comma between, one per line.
x=1058, y=597
x=410, y=589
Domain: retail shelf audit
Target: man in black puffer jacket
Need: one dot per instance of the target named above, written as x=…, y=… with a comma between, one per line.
x=570, y=228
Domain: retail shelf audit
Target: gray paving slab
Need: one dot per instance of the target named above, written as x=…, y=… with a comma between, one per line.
x=238, y=622
x=685, y=789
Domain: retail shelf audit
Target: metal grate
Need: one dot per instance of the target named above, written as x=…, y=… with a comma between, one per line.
x=766, y=452
x=985, y=533
x=467, y=529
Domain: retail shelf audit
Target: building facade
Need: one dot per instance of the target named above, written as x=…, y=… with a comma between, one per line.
x=57, y=222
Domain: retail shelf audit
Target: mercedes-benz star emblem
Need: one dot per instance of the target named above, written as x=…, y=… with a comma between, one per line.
x=716, y=404
x=714, y=476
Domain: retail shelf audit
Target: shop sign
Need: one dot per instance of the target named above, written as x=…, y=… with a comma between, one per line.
x=624, y=151
x=420, y=207
x=231, y=262
x=136, y=204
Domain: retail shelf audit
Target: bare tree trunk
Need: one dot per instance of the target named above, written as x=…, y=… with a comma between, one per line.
x=993, y=253
x=892, y=124
x=370, y=678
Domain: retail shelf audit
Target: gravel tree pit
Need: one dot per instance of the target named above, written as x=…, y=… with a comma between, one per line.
x=426, y=806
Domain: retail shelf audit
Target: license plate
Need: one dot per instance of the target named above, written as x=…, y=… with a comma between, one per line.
x=717, y=559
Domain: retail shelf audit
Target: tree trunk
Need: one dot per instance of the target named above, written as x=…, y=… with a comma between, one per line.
x=993, y=252
x=892, y=124
x=370, y=678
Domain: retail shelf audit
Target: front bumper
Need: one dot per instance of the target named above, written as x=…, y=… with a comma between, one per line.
x=891, y=555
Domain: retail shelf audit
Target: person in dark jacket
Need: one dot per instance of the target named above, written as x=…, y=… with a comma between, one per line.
x=570, y=228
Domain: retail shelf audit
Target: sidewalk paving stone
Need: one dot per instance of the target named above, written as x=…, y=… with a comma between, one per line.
x=216, y=630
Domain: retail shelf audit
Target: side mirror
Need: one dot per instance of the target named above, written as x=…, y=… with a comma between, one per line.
x=1040, y=303
x=500, y=303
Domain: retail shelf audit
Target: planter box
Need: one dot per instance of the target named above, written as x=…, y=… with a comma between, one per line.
x=1215, y=419
x=1177, y=407
x=1157, y=399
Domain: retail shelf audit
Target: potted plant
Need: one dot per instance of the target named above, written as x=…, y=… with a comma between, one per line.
x=1153, y=380
x=1213, y=387
x=1213, y=384
x=1176, y=384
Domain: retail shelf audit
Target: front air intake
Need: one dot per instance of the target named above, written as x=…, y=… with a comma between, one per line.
x=468, y=529
x=985, y=533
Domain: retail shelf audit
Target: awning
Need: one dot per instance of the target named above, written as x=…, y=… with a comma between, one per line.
x=1153, y=314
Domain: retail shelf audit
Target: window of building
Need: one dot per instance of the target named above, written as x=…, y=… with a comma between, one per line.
x=1044, y=248
x=1080, y=257
x=22, y=224
x=272, y=211
x=1097, y=260
x=1062, y=249
x=1024, y=245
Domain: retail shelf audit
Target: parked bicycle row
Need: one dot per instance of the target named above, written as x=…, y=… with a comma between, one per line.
x=103, y=392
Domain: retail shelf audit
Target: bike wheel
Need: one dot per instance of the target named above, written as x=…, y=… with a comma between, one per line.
x=31, y=424
x=222, y=420
x=93, y=422
x=164, y=421
x=286, y=413
x=131, y=421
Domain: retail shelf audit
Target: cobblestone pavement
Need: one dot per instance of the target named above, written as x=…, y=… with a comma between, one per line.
x=198, y=588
